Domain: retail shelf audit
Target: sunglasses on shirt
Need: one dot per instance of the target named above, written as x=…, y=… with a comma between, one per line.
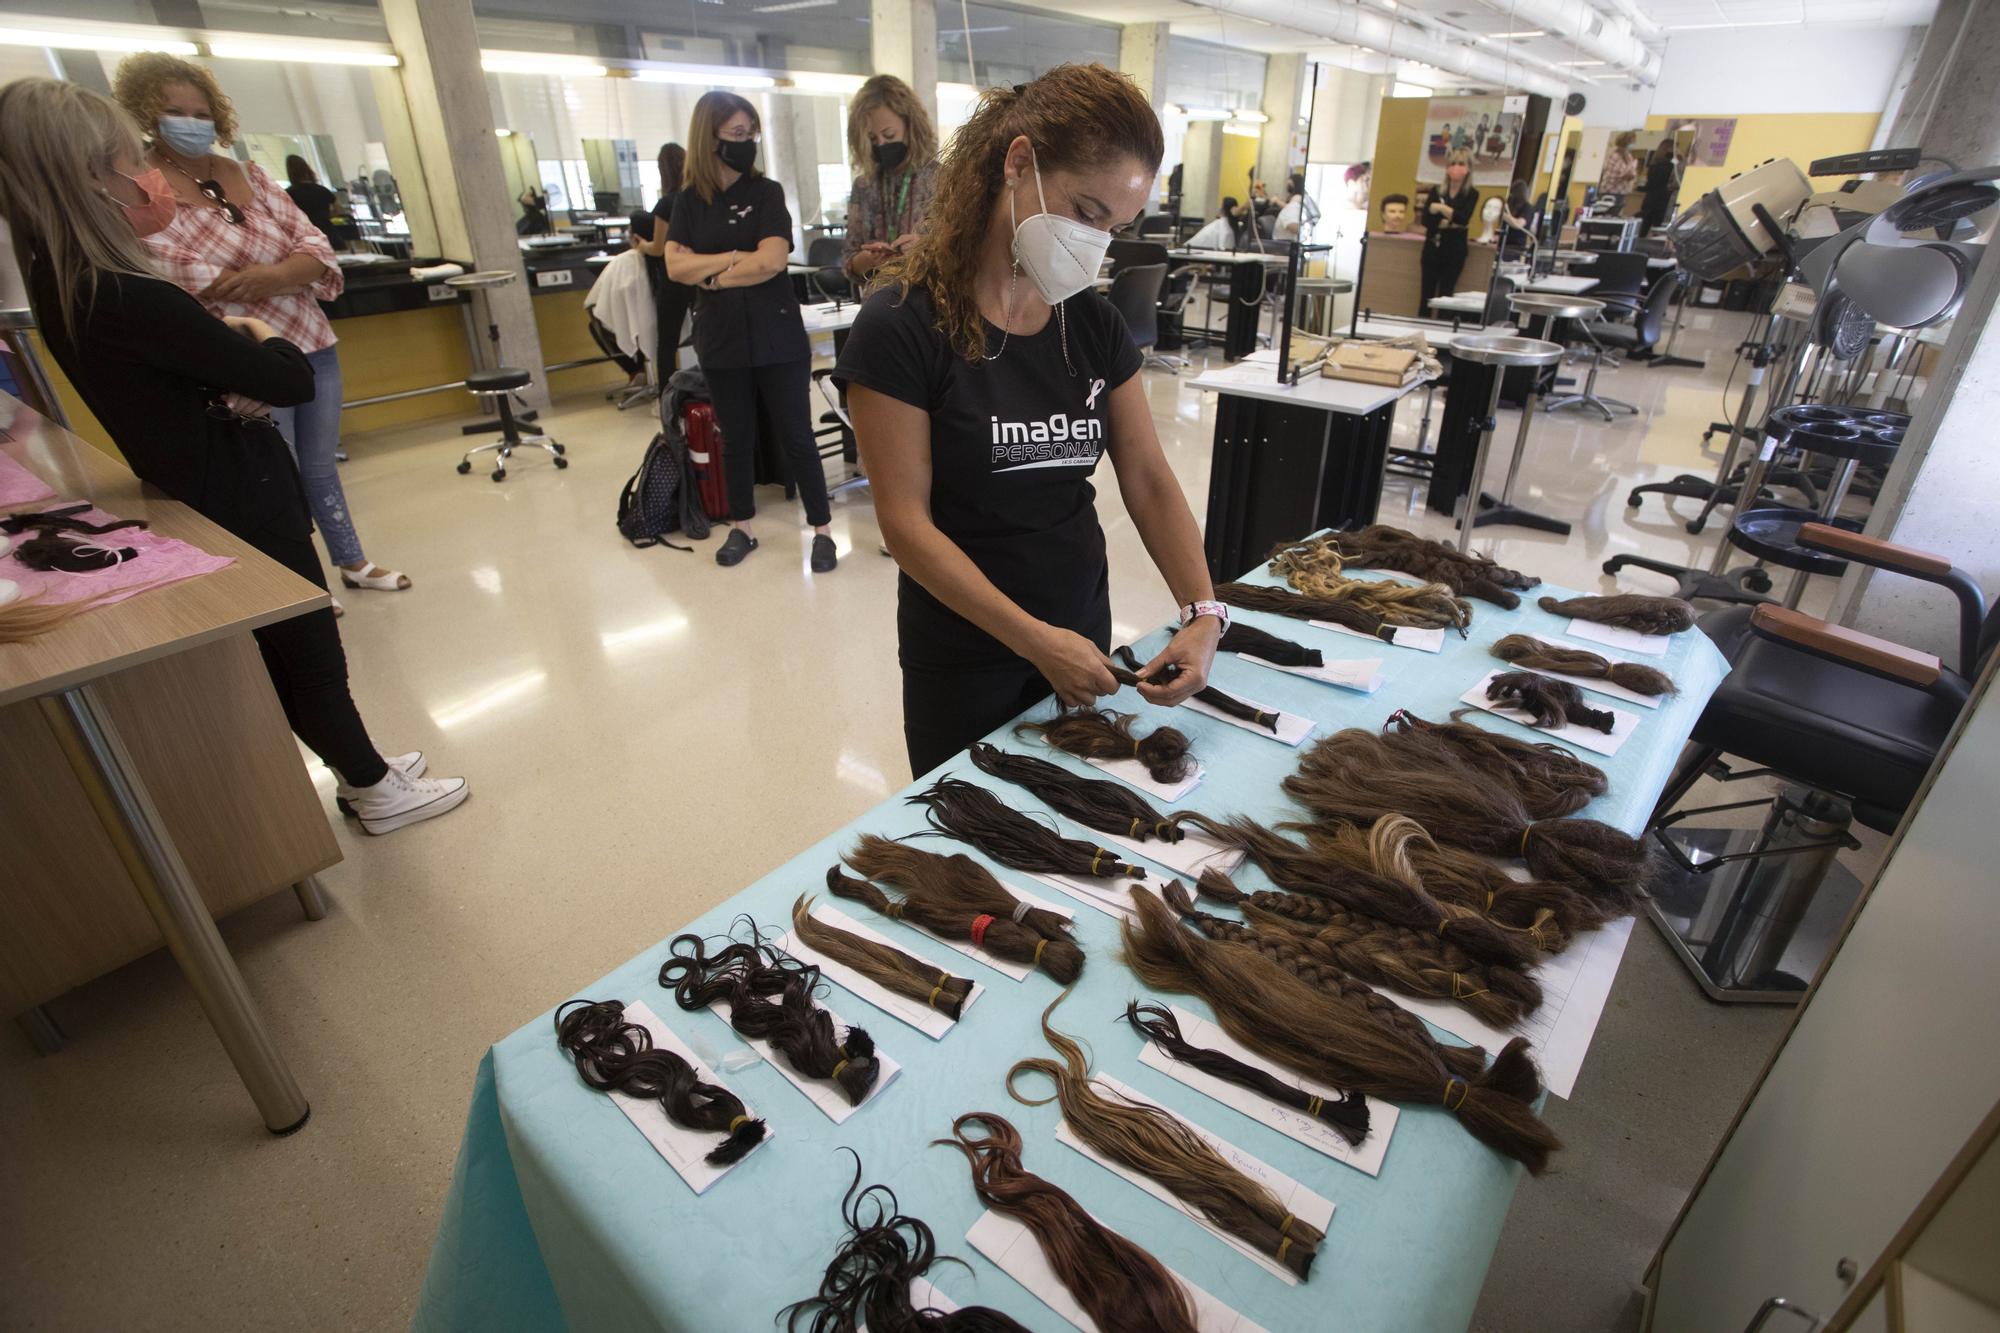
x=211, y=190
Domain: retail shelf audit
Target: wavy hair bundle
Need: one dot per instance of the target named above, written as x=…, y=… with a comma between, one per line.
x=1316, y=568
x=1524, y=650
x=1161, y=1147
x=975, y=816
x=1550, y=780
x=1347, y=1114
x=746, y=975
x=1099, y=803
x=613, y=1055
x=882, y=963
x=1548, y=702
x=1334, y=1040
x=868, y=1282
x=1407, y=961
x=1643, y=615
x=1467, y=573
x=1120, y=1286
x=1095, y=733
x=1360, y=777
x=1364, y=889
x=956, y=898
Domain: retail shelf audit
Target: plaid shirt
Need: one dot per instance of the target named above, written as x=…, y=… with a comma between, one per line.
x=201, y=244
x=871, y=202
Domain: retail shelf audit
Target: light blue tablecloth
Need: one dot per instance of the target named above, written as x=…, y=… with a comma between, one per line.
x=558, y=1209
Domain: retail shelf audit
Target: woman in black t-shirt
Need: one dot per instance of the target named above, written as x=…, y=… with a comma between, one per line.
x=985, y=380
x=730, y=235
x=314, y=200
x=649, y=237
x=1448, y=210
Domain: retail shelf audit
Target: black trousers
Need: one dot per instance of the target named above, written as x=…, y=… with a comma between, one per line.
x=673, y=300
x=1440, y=266
x=783, y=392
x=946, y=709
x=308, y=669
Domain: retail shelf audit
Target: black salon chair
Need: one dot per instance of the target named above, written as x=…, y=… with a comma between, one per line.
x=1647, y=321
x=1135, y=294
x=499, y=386
x=1158, y=226
x=1127, y=252
x=828, y=255
x=1854, y=721
x=1621, y=278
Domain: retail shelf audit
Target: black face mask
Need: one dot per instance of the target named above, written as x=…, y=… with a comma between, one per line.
x=738, y=155
x=889, y=156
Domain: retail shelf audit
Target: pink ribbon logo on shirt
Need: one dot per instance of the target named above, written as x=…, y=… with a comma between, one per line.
x=1090, y=399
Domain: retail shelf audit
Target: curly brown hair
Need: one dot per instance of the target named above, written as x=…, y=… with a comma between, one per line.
x=1076, y=116
x=141, y=88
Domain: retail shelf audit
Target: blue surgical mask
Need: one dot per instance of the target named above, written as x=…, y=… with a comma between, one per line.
x=190, y=136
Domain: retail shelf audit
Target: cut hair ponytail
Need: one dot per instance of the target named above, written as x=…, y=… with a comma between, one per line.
x=1527, y=651
x=1095, y=733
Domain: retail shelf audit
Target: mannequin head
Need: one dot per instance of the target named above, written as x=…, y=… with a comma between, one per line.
x=1396, y=213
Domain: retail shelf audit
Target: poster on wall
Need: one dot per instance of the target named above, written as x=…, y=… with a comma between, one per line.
x=1711, y=140
x=1481, y=127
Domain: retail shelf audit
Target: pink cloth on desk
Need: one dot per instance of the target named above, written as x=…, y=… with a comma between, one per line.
x=18, y=486
x=160, y=561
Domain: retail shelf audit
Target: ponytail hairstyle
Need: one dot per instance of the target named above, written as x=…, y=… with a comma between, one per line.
x=1642, y=615
x=886, y=92
x=1076, y=116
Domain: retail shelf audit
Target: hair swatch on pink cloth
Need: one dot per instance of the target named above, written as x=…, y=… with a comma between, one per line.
x=158, y=562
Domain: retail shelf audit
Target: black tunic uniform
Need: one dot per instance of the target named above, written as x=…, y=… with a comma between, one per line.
x=1014, y=442
x=1444, y=241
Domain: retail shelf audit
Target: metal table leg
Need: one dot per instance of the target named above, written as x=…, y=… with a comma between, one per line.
x=1468, y=504
x=1504, y=510
x=97, y=755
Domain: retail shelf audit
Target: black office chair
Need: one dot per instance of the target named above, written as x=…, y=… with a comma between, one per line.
x=1648, y=321
x=1172, y=316
x=1621, y=278
x=1156, y=225
x=1126, y=252
x=1135, y=294
x=1854, y=721
x=828, y=254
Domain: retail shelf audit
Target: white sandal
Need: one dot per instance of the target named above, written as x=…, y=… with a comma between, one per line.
x=376, y=577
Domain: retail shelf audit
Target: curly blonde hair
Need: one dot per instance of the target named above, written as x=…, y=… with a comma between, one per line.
x=1076, y=116
x=141, y=88
x=891, y=94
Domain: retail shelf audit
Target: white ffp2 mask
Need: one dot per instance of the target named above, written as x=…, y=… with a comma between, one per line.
x=1061, y=255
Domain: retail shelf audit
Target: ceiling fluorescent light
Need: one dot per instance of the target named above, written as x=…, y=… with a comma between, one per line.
x=705, y=78
x=95, y=41
x=536, y=62
x=304, y=51
x=791, y=5
x=810, y=81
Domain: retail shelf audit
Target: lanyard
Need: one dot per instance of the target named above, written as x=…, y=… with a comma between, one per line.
x=902, y=199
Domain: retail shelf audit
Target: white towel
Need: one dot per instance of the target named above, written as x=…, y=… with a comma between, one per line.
x=437, y=272
x=622, y=300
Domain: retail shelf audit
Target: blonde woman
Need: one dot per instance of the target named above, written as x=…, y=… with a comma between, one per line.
x=1448, y=211
x=240, y=246
x=893, y=147
x=148, y=361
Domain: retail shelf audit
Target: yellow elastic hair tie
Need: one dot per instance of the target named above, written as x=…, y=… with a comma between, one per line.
x=894, y=909
x=1458, y=990
x=1489, y=900
x=1135, y=749
x=1039, y=946
x=837, y=1068
x=1524, y=841
x=1285, y=1227
x=932, y=1002
x=737, y=1121
x=1284, y=1245
x=1095, y=857
x=1464, y=1091
x=1313, y=1106
x=1133, y=832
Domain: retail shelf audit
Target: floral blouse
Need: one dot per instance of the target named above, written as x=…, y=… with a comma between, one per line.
x=879, y=210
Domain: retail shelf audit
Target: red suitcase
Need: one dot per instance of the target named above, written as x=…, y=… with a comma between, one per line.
x=704, y=439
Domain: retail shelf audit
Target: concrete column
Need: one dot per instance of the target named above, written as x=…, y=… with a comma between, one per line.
x=1142, y=53
x=451, y=119
x=902, y=37
x=1284, y=85
x=1201, y=185
x=1937, y=494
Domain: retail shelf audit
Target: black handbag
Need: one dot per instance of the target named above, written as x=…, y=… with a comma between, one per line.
x=249, y=481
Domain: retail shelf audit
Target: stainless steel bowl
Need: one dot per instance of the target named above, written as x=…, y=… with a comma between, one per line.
x=1503, y=349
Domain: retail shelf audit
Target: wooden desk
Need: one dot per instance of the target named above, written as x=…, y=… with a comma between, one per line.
x=1392, y=275
x=148, y=778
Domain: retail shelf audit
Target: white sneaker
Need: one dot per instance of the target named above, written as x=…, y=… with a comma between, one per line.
x=400, y=799
x=412, y=765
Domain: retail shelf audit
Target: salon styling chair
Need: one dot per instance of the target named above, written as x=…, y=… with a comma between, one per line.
x=828, y=254
x=1647, y=320
x=1851, y=725
x=1620, y=280
x=1135, y=294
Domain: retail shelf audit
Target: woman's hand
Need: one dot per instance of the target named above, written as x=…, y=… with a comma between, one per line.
x=256, y=330
x=1441, y=208
x=1074, y=666
x=901, y=245
x=1192, y=651
x=253, y=282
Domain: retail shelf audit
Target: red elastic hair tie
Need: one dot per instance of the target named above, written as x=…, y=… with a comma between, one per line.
x=979, y=925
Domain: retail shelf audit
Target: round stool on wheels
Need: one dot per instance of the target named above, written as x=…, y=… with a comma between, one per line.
x=497, y=383
x=1498, y=352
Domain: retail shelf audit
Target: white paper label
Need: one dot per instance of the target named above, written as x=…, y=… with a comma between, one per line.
x=823, y=1093
x=1292, y=729
x=1612, y=636
x=1402, y=636
x=683, y=1148
x=917, y=1014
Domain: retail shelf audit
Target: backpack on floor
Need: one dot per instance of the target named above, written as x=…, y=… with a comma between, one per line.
x=660, y=497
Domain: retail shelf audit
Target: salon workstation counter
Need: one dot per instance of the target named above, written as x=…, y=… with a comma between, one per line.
x=1391, y=280
x=562, y=1215
x=148, y=779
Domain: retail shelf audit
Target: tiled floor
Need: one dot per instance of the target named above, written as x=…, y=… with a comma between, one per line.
x=645, y=733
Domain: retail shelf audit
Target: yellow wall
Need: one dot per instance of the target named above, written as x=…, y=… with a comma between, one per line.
x=1239, y=159
x=1801, y=138
x=1399, y=138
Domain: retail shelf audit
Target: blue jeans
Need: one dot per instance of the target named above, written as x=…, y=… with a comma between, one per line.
x=313, y=431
